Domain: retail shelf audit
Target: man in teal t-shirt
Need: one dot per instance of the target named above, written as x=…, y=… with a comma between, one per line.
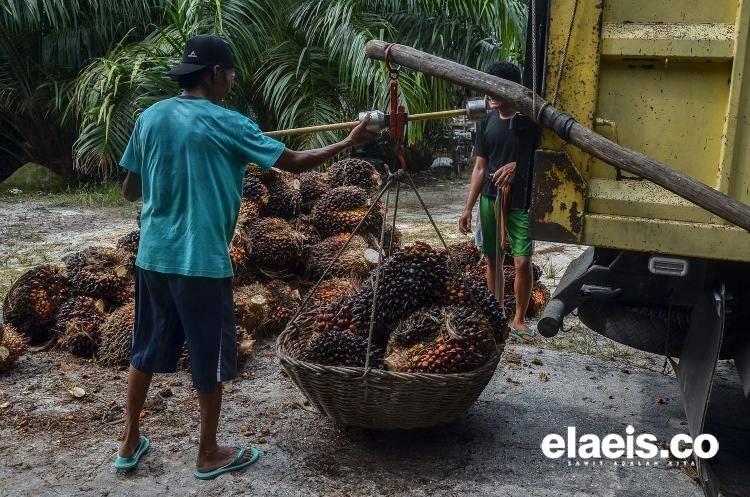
x=187, y=158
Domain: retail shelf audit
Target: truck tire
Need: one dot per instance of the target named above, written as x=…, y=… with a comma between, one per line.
x=641, y=327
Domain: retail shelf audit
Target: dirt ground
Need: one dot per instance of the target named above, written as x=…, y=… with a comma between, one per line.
x=53, y=444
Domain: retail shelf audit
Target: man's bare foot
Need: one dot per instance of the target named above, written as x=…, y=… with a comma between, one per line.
x=521, y=332
x=221, y=456
x=129, y=446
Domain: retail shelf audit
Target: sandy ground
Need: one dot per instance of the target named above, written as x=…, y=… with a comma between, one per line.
x=53, y=444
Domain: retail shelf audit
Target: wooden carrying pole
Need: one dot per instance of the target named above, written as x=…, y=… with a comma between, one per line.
x=443, y=114
x=565, y=126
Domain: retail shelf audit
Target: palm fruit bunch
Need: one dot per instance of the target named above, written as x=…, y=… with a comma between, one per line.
x=253, y=190
x=331, y=291
x=477, y=273
x=304, y=226
x=12, y=346
x=341, y=348
x=240, y=248
x=78, y=324
x=355, y=261
x=461, y=291
x=275, y=245
x=464, y=254
x=101, y=272
x=355, y=172
x=115, y=336
x=284, y=197
x=312, y=186
x=441, y=340
x=540, y=296
x=34, y=300
x=342, y=209
x=412, y=278
x=128, y=244
x=252, y=305
x=285, y=302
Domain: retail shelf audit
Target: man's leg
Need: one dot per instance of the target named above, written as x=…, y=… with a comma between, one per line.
x=490, y=245
x=522, y=288
x=210, y=454
x=138, y=383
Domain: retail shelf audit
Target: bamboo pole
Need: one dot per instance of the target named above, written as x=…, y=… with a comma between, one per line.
x=565, y=126
x=443, y=114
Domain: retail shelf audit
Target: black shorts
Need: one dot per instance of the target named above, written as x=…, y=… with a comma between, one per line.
x=172, y=309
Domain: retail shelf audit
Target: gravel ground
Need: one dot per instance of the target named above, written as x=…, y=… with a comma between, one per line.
x=52, y=444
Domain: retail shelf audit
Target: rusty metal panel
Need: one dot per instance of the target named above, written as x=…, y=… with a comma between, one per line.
x=559, y=198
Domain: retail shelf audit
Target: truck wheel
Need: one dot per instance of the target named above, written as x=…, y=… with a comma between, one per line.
x=641, y=327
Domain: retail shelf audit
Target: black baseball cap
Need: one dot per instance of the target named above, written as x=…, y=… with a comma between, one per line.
x=203, y=51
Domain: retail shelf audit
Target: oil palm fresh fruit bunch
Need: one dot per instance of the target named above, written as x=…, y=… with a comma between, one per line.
x=355, y=172
x=128, y=244
x=12, y=346
x=285, y=302
x=34, y=300
x=284, y=197
x=116, y=334
x=461, y=291
x=78, y=324
x=240, y=248
x=464, y=253
x=312, y=186
x=342, y=209
x=331, y=291
x=452, y=340
x=102, y=273
x=412, y=278
x=356, y=261
x=304, y=226
x=252, y=305
x=341, y=348
x=540, y=296
x=275, y=245
x=477, y=273
x=253, y=190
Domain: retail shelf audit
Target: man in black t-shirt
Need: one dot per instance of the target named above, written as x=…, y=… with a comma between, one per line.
x=497, y=148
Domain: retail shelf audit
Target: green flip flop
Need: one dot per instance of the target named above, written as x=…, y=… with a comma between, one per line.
x=525, y=336
x=128, y=463
x=235, y=465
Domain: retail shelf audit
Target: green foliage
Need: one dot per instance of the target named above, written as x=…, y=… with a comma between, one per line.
x=82, y=78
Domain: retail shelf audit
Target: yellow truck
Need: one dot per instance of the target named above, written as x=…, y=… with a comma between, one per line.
x=668, y=83
x=669, y=79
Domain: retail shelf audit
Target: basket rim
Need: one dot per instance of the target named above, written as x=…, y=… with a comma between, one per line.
x=491, y=363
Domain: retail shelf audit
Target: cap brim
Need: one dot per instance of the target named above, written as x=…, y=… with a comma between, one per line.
x=185, y=68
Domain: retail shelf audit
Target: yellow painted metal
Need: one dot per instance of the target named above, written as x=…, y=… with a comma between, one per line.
x=668, y=76
x=713, y=241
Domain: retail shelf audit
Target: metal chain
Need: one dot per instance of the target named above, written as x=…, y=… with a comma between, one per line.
x=395, y=213
x=565, y=52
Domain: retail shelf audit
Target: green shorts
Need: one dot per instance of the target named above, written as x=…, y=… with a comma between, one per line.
x=516, y=229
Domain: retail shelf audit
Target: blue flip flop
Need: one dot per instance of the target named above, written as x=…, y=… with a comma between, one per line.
x=235, y=465
x=128, y=463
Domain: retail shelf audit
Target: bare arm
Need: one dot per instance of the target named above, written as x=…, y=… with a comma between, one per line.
x=477, y=181
x=301, y=161
x=131, y=187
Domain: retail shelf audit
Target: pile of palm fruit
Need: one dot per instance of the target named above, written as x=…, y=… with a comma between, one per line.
x=419, y=313
x=288, y=232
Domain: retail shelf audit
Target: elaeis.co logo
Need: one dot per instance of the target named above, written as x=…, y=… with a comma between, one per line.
x=629, y=450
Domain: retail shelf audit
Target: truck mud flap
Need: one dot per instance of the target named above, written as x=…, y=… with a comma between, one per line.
x=695, y=372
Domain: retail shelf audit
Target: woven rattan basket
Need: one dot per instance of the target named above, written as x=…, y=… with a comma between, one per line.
x=382, y=399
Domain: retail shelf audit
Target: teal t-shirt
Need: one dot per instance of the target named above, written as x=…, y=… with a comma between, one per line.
x=192, y=155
